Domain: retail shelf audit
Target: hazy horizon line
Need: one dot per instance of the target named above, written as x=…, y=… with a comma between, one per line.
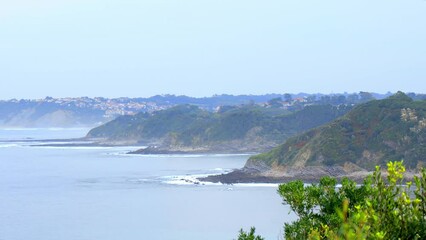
x=211, y=96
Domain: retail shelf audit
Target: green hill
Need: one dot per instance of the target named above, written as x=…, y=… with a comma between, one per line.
x=371, y=134
x=242, y=128
x=145, y=126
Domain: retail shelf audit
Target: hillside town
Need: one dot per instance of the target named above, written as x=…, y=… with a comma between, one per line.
x=91, y=111
x=111, y=107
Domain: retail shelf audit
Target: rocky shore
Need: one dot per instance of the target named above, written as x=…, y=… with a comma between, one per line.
x=159, y=150
x=307, y=175
x=192, y=150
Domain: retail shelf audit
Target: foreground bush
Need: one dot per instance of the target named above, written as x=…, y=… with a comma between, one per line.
x=378, y=209
x=249, y=235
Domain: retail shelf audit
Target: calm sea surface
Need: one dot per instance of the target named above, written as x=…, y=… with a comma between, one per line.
x=90, y=193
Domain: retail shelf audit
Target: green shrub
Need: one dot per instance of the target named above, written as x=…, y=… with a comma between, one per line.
x=378, y=209
x=249, y=235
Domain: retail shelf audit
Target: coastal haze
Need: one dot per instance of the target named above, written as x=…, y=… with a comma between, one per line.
x=173, y=120
x=144, y=48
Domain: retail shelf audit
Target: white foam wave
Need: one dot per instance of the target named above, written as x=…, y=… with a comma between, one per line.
x=124, y=151
x=59, y=143
x=72, y=147
x=193, y=180
x=121, y=151
x=9, y=145
x=187, y=180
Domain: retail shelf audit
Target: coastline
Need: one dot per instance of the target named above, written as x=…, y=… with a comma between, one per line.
x=242, y=176
x=153, y=150
x=248, y=176
x=77, y=142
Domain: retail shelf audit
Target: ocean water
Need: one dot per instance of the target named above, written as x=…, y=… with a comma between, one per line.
x=90, y=193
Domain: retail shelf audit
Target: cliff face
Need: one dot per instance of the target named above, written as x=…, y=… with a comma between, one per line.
x=371, y=134
x=236, y=129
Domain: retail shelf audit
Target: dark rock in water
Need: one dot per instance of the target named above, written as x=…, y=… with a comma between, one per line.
x=190, y=150
x=307, y=175
x=156, y=150
x=239, y=176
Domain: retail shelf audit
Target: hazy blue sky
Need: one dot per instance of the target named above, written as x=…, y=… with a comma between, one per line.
x=201, y=47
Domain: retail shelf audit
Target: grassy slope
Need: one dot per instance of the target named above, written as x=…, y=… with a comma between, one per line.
x=371, y=134
x=188, y=125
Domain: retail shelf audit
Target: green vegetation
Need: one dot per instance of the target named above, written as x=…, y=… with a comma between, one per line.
x=393, y=128
x=147, y=126
x=380, y=208
x=377, y=209
x=386, y=207
x=249, y=235
x=187, y=125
